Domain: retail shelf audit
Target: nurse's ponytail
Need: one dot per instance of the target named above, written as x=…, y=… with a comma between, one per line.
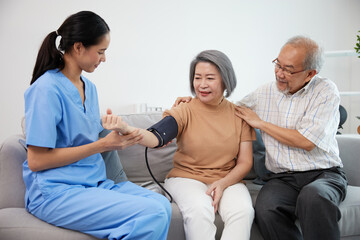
x=85, y=27
x=49, y=57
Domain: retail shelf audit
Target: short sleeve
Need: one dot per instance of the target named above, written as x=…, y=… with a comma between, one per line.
x=321, y=119
x=42, y=114
x=247, y=132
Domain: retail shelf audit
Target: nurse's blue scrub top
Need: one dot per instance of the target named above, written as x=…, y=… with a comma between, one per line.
x=55, y=117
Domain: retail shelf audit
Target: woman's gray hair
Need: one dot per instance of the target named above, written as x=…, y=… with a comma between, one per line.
x=222, y=63
x=314, y=57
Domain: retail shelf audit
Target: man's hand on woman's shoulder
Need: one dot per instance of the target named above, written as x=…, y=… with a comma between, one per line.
x=180, y=100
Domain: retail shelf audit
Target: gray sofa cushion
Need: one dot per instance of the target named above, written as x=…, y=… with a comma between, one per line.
x=259, y=159
x=16, y=223
x=350, y=213
x=12, y=187
x=348, y=146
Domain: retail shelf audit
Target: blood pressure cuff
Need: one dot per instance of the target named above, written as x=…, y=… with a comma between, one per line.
x=165, y=130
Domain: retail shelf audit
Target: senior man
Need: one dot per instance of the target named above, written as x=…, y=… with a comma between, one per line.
x=298, y=116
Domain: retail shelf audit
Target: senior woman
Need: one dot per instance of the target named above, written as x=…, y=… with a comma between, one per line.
x=214, y=151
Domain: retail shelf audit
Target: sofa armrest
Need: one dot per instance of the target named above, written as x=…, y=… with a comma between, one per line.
x=12, y=187
x=349, y=147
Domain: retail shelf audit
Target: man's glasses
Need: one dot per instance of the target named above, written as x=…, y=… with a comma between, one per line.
x=286, y=72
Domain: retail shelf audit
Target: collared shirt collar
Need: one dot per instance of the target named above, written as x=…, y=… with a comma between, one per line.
x=304, y=89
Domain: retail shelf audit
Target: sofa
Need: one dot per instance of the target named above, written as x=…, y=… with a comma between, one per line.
x=16, y=223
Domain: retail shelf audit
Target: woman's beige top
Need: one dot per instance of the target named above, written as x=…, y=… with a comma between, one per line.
x=208, y=140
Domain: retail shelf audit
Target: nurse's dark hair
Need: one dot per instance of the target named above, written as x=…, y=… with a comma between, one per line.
x=222, y=63
x=85, y=27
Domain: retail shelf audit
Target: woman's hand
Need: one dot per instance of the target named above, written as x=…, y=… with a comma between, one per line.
x=115, y=123
x=216, y=190
x=130, y=135
x=181, y=100
x=115, y=141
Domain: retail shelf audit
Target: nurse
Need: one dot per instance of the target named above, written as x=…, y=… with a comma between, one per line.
x=64, y=173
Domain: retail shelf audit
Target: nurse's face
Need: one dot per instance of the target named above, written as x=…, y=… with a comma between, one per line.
x=91, y=57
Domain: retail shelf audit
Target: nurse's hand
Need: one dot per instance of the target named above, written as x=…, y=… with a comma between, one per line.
x=115, y=123
x=115, y=141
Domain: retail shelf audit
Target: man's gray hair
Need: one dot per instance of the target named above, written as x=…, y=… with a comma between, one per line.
x=222, y=63
x=314, y=57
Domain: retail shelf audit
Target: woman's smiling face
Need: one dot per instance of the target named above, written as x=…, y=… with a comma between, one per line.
x=208, y=84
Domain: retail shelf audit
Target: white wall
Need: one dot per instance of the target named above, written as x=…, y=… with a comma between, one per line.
x=153, y=42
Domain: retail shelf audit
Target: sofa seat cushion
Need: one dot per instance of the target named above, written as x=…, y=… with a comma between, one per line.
x=16, y=223
x=253, y=190
x=350, y=213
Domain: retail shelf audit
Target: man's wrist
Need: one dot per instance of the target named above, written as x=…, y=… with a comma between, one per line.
x=261, y=125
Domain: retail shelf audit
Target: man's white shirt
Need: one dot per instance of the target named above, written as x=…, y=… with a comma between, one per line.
x=313, y=111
